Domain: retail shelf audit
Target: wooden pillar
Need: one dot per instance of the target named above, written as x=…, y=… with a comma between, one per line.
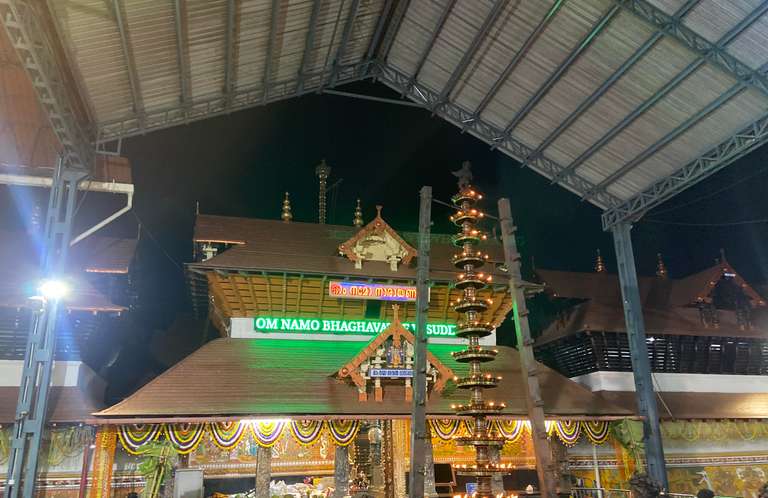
x=263, y=471
x=419, y=433
x=528, y=365
x=341, y=471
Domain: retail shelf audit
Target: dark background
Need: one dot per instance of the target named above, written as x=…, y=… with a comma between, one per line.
x=241, y=164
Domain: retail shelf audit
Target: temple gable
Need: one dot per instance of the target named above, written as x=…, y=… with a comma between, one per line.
x=377, y=241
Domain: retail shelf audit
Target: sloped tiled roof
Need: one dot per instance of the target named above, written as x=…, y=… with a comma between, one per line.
x=65, y=404
x=684, y=405
x=249, y=377
x=272, y=245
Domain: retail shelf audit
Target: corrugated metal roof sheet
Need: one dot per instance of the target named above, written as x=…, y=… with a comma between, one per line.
x=605, y=97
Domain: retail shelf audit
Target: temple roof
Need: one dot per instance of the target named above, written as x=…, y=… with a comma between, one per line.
x=668, y=304
x=272, y=245
x=684, y=405
x=595, y=316
x=20, y=269
x=65, y=404
x=255, y=377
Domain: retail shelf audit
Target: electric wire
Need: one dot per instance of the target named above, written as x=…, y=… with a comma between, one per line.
x=155, y=241
x=711, y=194
x=723, y=224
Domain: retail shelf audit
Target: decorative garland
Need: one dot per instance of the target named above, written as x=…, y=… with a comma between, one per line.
x=568, y=432
x=343, y=432
x=184, y=437
x=444, y=429
x=227, y=435
x=133, y=437
x=596, y=431
x=512, y=430
x=306, y=432
x=267, y=433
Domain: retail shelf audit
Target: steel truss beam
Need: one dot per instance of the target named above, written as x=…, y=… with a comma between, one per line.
x=725, y=153
x=380, y=22
x=518, y=57
x=487, y=132
x=243, y=98
x=712, y=52
x=672, y=84
x=345, y=35
x=553, y=78
x=666, y=139
x=130, y=61
x=182, y=52
x=469, y=54
x=26, y=33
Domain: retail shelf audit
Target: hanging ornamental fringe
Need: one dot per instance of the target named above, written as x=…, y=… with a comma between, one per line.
x=133, y=437
x=227, y=435
x=185, y=438
x=306, y=432
x=267, y=433
x=567, y=431
x=512, y=430
x=343, y=432
x=444, y=429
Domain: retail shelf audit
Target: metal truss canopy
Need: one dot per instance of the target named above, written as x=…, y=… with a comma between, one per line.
x=607, y=98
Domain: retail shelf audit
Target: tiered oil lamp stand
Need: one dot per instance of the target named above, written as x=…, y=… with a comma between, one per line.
x=472, y=327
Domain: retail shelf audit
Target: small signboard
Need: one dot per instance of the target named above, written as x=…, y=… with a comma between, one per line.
x=391, y=373
x=366, y=290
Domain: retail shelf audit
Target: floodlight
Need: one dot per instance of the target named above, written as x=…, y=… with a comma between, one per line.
x=54, y=289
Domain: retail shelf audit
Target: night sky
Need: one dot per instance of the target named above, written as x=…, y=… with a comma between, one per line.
x=241, y=164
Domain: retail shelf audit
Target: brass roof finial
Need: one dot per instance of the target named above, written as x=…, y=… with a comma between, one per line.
x=600, y=263
x=358, y=219
x=286, y=215
x=661, y=268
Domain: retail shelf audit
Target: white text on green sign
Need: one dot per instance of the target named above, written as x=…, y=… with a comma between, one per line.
x=323, y=326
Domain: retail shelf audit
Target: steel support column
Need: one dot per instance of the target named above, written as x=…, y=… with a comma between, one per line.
x=419, y=433
x=528, y=365
x=31, y=408
x=641, y=368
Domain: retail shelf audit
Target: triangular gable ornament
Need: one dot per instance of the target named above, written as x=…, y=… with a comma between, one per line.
x=377, y=241
x=724, y=268
x=388, y=359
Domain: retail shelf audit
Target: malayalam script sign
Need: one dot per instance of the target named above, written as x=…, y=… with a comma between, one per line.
x=341, y=327
x=367, y=290
x=391, y=373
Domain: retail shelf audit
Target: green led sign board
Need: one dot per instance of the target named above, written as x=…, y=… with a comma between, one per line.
x=341, y=327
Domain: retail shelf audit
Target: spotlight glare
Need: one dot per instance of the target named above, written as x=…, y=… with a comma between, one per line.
x=53, y=289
